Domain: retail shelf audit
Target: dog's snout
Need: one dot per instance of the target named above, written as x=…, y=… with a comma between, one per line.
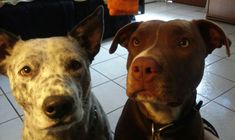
x=56, y=107
x=145, y=69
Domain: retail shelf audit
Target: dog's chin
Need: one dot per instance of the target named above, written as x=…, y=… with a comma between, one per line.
x=143, y=96
x=62, y=124
x=150, y=97
x=60, y=127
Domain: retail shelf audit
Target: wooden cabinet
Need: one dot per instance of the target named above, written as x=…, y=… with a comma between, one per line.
x=201, y=3
x=222, y=10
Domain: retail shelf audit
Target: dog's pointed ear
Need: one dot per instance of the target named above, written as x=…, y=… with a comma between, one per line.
x=123, y=35
x=89, y=32
x=7, y=42
x=213, y=36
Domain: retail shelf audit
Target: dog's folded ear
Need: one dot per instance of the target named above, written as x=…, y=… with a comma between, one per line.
x=123, y=35
x=213, y=36
x=7, y=42
x=89, y=32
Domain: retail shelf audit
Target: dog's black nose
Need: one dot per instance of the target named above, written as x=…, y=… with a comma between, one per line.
x=56, y=107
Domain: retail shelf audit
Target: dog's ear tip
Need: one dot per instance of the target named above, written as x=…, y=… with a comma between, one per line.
x=228, y=50
x=209, y=31
x=99, y=10
x=113, y=48
x=100, y=7
x=229, y=42
x=111, y=51
x=8, y=38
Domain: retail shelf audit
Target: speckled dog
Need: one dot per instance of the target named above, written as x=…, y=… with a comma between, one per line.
x=50, y=79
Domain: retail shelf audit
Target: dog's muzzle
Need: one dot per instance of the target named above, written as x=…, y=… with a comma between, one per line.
x=58, y=107
x=143, y=72
x=145, y=69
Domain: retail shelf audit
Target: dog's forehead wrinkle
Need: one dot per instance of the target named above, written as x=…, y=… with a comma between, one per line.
x=53, y=52
x=177, y=27
x=152, y=26
x=52, y=45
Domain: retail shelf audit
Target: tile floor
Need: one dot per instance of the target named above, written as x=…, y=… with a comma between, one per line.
x=108, y=72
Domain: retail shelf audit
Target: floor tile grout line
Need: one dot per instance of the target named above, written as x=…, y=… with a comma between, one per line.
x=204, y=104
x=100, y=84
x=218, y=74
x=224, y=57
x=12, y=105
x=119, y=84
x=123, y=56
x=209, y=100
x=221, y=58
x=114, y=110
x=117, y=53
x=100, y=73
x=105, y=75
x=9, y=120
x=104, y=61
x=1, y=91
x=118, y=56
x=221, y=76
x=223, y=93
x=110, y=80
x=204, y=96
x=223, y=106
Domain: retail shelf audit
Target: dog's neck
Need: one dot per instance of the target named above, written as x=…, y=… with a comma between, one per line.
x=166, y=119
x=164, y=113
x=160, y=114
x=181, y=123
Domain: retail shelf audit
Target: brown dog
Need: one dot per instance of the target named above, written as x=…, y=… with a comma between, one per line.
x=165, y=65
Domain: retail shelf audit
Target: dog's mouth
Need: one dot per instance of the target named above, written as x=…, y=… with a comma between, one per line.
x=143, y=95
x=62, y=124
x=154, y=97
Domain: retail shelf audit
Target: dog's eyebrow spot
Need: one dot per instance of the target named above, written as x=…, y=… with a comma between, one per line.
x=32, y=55
x=179, y=31
x=176, y=28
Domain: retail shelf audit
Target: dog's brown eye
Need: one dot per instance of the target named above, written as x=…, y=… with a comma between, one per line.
x=136, y=42
x=74, y=65
x=26, y=71
x=184, y=43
